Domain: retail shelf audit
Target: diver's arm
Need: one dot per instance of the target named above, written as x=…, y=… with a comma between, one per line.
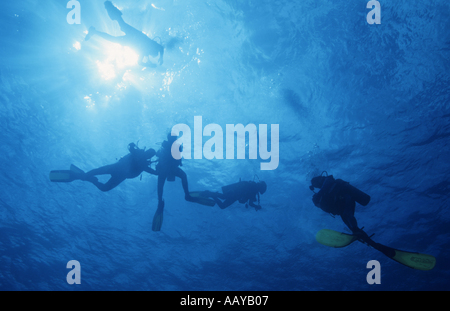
x=251, y=203
x=150, y=171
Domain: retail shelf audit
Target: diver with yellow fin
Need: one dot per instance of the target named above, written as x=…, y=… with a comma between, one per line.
x=413, y=260
x=338, y=197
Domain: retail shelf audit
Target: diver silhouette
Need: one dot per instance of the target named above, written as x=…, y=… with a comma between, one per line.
x=133, y=38
x=338, y=197
x=246, y=192
x=128, y=167
x=167, y=169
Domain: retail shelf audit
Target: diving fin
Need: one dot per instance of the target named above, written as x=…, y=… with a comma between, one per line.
x=114, y=13
x=413, y=260
x=335, y=239
x=201, y=199
x=76, y=170
x=158, y=218
x=62, y=176
x=67, y=175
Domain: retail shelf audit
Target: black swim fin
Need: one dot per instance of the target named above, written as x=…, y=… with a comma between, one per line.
x=413, y=260
x=61, y=176
x=198, y=197
x=67, y=175
x=158, y=218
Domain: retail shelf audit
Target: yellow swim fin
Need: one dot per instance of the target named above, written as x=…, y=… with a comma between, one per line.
x=333, y=238
x=415, y=260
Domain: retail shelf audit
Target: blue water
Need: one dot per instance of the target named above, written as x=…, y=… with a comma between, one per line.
x=367, y=103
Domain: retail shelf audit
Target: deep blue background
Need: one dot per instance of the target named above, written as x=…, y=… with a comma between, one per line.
x=367, y=103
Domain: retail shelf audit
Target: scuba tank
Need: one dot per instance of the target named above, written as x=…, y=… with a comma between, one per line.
x=359, y=196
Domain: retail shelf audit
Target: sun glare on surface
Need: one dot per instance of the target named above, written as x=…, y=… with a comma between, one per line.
x=117, y=57
x=77, y=46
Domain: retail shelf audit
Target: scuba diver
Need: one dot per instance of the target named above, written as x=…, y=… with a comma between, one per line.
x=128, y=167
x=133, y=38
x=338, y=197
x=167, y=169
x=242, y=191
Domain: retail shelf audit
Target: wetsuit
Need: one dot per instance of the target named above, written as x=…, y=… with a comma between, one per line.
x=128, y=167
x=243, y=191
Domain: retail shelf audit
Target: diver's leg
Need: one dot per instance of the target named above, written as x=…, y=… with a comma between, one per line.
x=213, y=195
x=158, y=217
x=219, y=203
x=350, y=220
x=348, y=214
x=184, y=182
x=161, y=181
x=218, y=197
x=104, y=170
x=225, y=203
x=125, y=27
x=113, y=182
x=110, y=38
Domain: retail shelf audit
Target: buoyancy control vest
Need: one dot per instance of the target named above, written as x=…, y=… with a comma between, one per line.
x=331, y=197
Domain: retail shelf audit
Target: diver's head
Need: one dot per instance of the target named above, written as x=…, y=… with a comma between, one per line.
x=317, y=182
x=150, y=153
x=262, y=187
x=132, y=147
